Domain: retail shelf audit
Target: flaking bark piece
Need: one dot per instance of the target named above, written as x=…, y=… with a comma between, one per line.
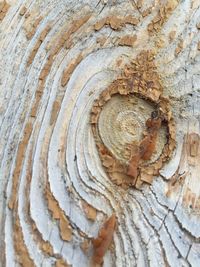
x=103, y=241
x=146, y=146
x=90, y=211
x=133, y=166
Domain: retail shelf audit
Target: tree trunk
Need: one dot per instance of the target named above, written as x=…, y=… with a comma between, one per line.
x=100, y=133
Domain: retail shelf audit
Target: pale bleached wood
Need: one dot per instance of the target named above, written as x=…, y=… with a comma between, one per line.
x=158, y=224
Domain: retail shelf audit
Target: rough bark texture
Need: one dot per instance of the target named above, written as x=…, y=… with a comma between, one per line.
x=80, y=84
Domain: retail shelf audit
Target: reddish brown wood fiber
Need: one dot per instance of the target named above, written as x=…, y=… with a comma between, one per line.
x=147, y=145
x=104, y=239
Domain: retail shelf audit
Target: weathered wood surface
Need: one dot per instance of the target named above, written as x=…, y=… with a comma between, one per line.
x=57, y=188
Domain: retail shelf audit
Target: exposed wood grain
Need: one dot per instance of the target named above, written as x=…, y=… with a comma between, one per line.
x=80, y=82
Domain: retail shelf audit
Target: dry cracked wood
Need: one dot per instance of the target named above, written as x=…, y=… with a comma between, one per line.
x=78, y=82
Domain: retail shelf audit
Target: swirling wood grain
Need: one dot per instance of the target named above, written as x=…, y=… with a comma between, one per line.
x=58, y=61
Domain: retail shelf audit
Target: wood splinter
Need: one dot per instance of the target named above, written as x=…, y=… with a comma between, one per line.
x=103, y=241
